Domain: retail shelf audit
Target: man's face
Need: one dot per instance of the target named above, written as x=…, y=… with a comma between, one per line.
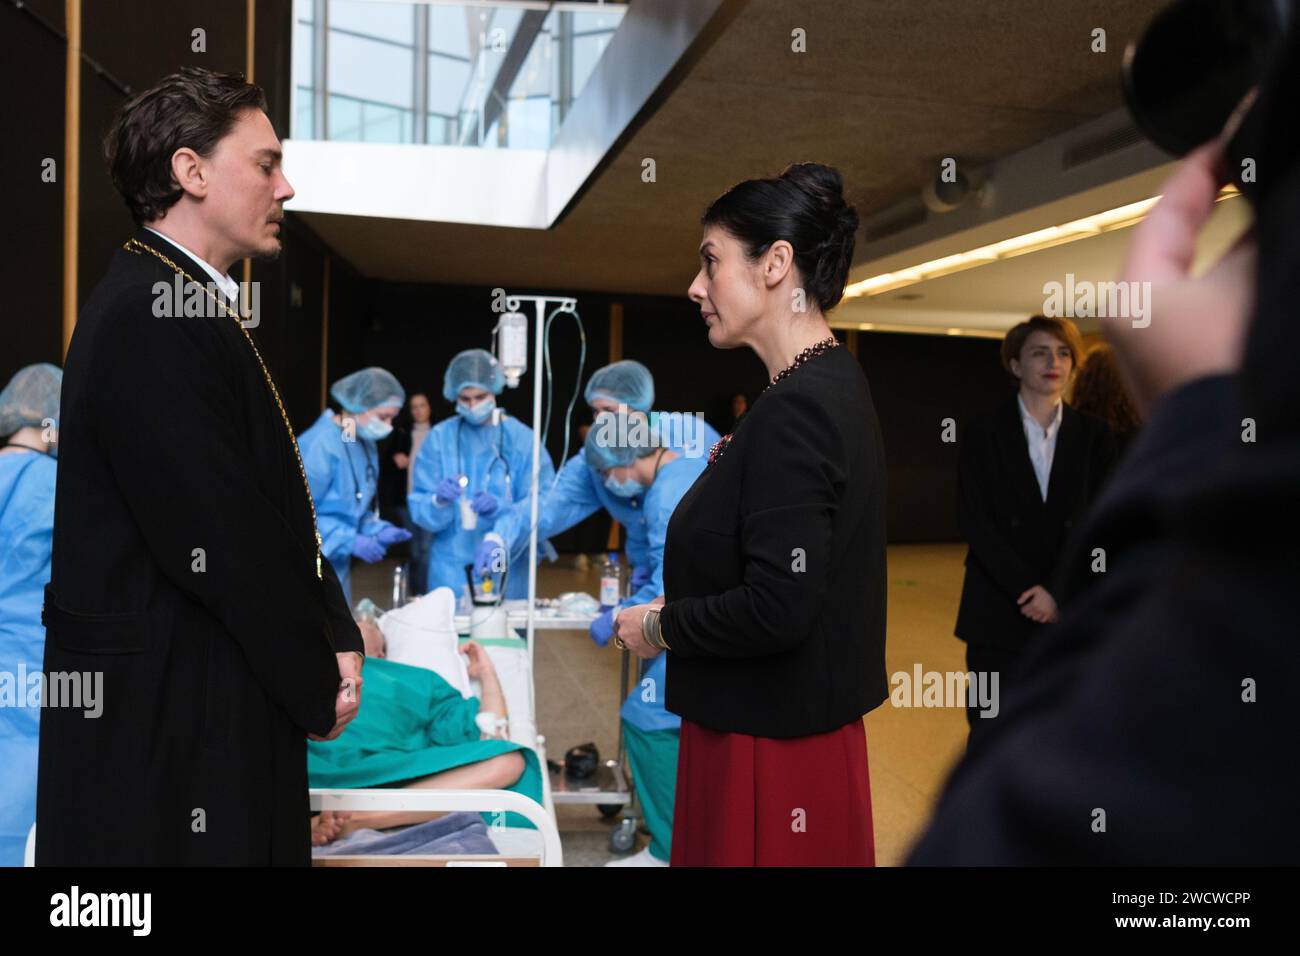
x=471, y=396
x=247, y=190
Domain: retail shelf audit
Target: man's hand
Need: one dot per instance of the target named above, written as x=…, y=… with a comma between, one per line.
x=401, y=460
x=348, y=700
x=1197, y=325
x=627, y=625
x=1038, y=605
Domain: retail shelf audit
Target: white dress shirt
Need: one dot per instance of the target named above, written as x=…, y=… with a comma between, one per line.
x=1042, y=443
x=228, y=286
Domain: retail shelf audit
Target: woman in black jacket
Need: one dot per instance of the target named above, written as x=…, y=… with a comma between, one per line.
x=1029, y=468
x=774, y=565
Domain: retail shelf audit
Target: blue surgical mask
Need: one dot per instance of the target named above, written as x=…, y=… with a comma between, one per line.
x=628, y=488
x=476, y=414
x=375, y=430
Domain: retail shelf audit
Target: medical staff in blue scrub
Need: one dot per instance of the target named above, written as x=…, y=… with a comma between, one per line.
x=472, y=467
x=340, y=455
x=579, y=491
x=630, y=465
x=29, y=412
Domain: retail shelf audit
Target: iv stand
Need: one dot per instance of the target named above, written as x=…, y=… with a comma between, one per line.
x=563, y=304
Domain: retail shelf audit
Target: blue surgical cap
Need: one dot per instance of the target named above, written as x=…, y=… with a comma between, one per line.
x=616, y=439
x=473, y=368
x=30, y=398
x=624, y=383
x=369, y=388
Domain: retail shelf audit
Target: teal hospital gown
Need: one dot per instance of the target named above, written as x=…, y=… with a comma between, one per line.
x=412, y=723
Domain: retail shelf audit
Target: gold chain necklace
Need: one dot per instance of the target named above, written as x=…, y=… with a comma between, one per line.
x=135, y=245
x=811, y=352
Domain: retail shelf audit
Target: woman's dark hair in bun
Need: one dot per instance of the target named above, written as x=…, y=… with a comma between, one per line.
x=804, y=206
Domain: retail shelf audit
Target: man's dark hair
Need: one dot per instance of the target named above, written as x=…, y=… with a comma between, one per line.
x=194, y=108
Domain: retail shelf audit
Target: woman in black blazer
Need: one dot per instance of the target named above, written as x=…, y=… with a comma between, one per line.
x=1028, y=469
x=774, y=566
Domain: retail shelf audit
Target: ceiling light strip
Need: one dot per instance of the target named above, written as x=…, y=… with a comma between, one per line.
x=1120, y=217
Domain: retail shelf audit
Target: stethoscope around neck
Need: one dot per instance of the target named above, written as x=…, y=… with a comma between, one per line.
x=370, y=474
x=499, y=457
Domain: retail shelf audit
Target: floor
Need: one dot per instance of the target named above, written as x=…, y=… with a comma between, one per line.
x=910, y=749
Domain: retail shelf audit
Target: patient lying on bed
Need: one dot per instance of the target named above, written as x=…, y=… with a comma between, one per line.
x=416, y=730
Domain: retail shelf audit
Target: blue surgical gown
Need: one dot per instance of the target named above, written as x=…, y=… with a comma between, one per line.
x=26, y=535
x=644, y=707
x=579, y=492
x=343, y=476
x=497, y=459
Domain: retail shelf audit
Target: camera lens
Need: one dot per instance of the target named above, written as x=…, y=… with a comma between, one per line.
x=1196, y=62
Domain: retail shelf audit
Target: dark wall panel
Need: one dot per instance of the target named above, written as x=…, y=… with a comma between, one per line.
x=31, y=242
x=917, y=381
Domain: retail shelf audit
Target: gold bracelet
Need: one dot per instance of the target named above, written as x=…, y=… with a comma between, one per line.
x=652, y=631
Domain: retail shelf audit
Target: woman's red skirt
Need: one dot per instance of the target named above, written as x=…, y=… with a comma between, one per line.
x=760, y=801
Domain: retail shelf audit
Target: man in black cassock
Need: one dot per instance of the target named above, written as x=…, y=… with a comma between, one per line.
x=186, y=566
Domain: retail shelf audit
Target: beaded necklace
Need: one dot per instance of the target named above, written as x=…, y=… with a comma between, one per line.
x=135, y=246
x=811, y=352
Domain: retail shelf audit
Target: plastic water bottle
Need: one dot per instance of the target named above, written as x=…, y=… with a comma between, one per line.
x=611, y=581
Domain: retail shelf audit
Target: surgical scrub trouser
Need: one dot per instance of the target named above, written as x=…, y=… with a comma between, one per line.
x=652, y=757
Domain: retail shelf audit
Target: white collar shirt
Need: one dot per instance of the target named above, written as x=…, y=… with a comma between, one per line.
x=228, y=286
x=1042, y=442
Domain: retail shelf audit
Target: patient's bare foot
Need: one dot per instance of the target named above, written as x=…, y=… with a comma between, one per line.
x=330, y=825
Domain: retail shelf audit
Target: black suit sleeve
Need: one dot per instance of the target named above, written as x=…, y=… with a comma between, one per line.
x=977, y=479
x=790, y=491
x=170, y=420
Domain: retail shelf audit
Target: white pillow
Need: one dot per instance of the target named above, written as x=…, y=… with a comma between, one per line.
x=423, y=634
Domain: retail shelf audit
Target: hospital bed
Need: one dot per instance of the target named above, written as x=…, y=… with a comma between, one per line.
x=423, y=636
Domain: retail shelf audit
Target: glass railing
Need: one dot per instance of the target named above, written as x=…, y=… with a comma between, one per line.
x=497, y=75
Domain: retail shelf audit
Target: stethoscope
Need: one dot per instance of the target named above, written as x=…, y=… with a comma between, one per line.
x=501, y=438
x=370, y=473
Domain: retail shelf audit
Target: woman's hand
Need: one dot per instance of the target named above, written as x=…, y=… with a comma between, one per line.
x=1197, y=326
x=627, y=627
x=401, y=460
x=1037, y=604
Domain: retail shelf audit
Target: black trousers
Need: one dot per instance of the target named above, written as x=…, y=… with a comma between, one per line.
x=989, y=659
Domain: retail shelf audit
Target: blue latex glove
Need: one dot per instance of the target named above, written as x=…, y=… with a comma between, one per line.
x=367, y=548
x=485, y=503
x=640, y=576
x=392, y=535
x=602, y=629
x=448, y=490
x=487, y=557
